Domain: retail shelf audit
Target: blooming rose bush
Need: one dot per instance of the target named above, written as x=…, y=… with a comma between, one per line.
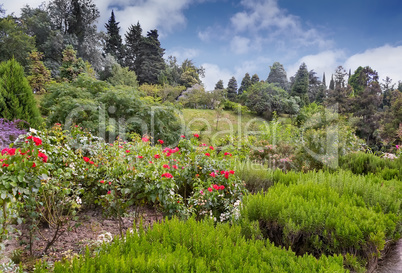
x=84, y=170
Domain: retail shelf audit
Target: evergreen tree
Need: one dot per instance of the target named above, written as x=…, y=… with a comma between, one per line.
x=324, y=82
x=16, y=97
x=133, y=39
x=278, y=76
x=362, y=78
x=150, y=59
x=39, y=74
x=114, y=44
x=245, y=84
x=71, y=66
x=301, y=84
x=219, y=85
x=255, y=79
x=232, y=89
x=387, y=88
x=332, y=83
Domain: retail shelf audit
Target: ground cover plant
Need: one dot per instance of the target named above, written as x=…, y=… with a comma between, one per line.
x=191, y=246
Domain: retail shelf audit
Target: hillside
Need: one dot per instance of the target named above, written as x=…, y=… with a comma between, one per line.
x=211, y=127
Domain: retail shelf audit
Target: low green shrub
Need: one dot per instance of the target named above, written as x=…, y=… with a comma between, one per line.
x=363, y=163
x=191, y=246
x=316, y=218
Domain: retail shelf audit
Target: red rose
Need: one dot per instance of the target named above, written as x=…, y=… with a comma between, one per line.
x=207, y=154
x=43, y=156
x=140, y=156
x=86, y=159
x=221, y=187
x=160, y=141
x=157, y=156
x=210, y=189
x=166, y=166
x=127, y=151
x=212, y=174
x=174, y=167
x=216, y=187
x=196, y=135
x=212, y=148
x=102, y=181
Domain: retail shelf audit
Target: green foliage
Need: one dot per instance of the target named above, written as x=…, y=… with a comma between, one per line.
x=277, y=75
x=265, y=99
x=301, y=84
x=391, y=125
x=39, y=75
x=196, y=247
x=16, y=97
x=114, y=44
x=71, y=66
x=14, y=43
x=108, y=111
x=363, y=163
x=245, y=84
x=123, y=76
x=150, y=59
x=325, y=213
x=232, y=89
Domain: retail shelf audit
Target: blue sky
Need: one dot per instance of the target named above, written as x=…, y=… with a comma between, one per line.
x=229, y=38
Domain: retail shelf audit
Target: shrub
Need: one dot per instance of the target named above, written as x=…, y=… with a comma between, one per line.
x=16, y=97
x=315, y=218
x=9, y=132
x=190, y=246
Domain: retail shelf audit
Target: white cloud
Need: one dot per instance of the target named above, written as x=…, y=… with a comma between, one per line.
x=213, y=73
x=183, y=53
x=240, y=45
x=152, y=14
x=16, y=5
x=386, y=60
x=265, y=20
x=326, y=61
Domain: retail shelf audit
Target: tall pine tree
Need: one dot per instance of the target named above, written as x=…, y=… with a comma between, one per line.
x=133, y=39
x=114, y=43
x=219, y=85
x=278, y=76
x=232, y=89
x=255, y=79
x=150, y=59
x=301, y=84
x=245, y=84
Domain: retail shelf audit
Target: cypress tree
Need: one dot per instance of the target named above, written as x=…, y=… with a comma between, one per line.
x=16, y=97
x=232, y=89
x=332, y=83
x=324, y=82
x=40, y=75
x=114, y=43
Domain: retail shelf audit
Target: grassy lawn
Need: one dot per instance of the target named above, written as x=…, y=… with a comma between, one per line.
x=211, y=127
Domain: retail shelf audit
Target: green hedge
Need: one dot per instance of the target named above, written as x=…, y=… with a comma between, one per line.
x=178, y=246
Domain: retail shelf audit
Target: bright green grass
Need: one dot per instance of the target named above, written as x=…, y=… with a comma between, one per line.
x=205, y=123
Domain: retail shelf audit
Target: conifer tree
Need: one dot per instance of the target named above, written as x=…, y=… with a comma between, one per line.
x=301, y=84
x=133, y=39
x=278, y=76
x=332, y=83
x=39, y=74
x=324, y=82
x=150, y=59
x=16, y=97
x=219, y=85
x=245, y=84
x=255, y=79
x=232, y=89
x=114, y=44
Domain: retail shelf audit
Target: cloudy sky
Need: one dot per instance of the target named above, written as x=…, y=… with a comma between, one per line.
x=229, y=38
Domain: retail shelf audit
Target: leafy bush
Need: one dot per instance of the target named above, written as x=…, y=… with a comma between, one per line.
x=190, y=246
x=109, y=111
